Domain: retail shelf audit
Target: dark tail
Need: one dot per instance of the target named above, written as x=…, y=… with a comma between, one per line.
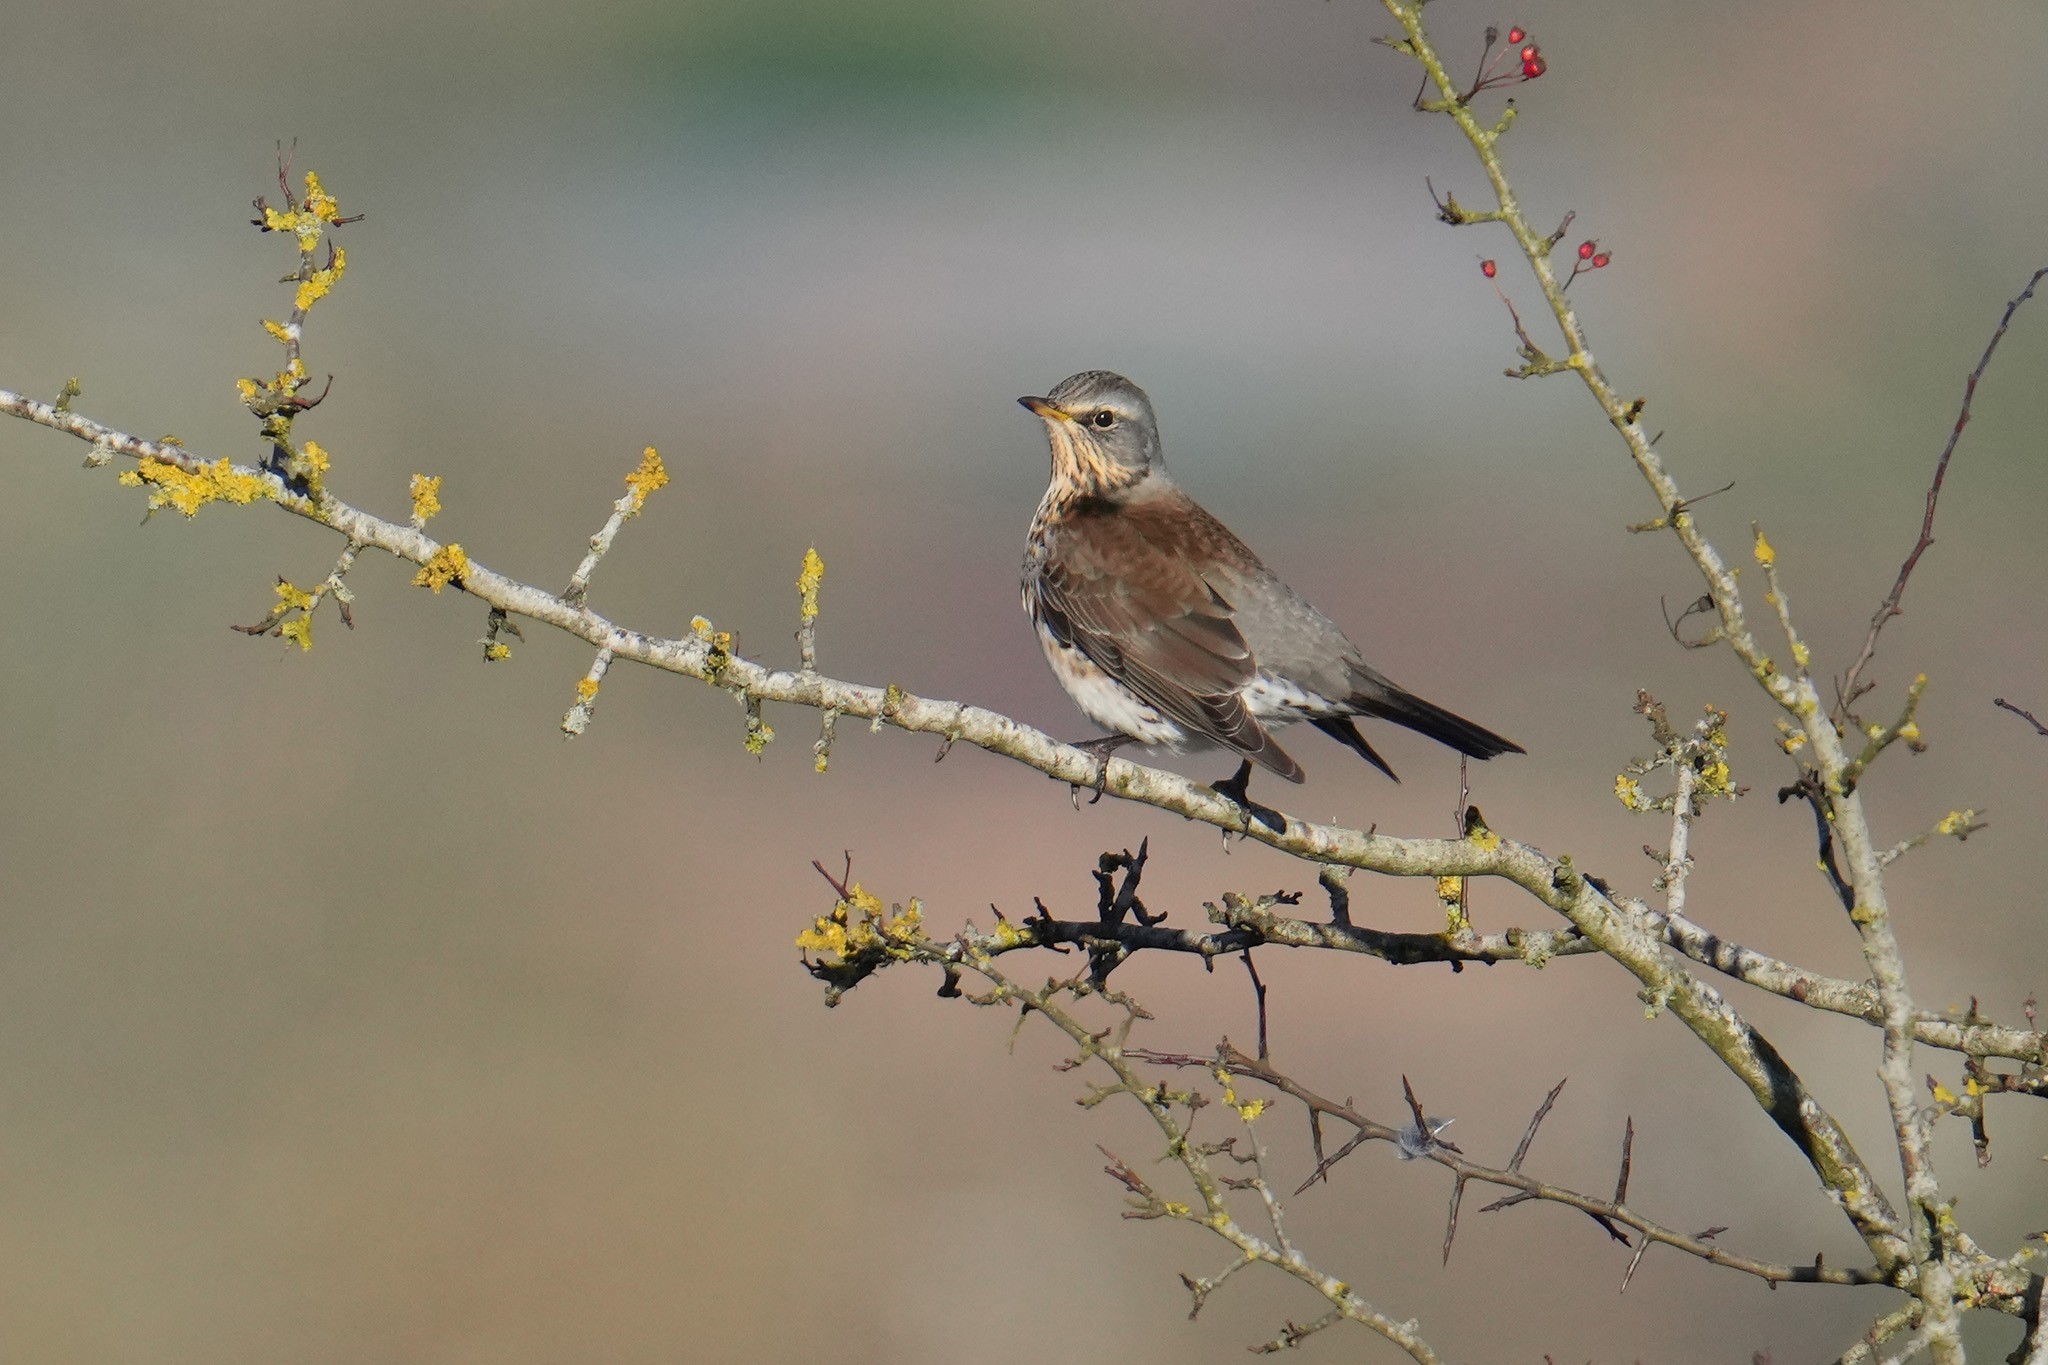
x=1389, y=702
x=1344, y=731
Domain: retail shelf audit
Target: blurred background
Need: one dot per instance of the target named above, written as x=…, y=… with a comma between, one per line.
x=348, y=1013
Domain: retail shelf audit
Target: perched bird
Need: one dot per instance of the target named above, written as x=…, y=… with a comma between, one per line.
x=1165, y=628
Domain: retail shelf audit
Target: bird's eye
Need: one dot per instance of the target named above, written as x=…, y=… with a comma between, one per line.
x=1104, y=419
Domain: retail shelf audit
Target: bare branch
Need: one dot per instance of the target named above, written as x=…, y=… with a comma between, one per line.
x=2027, y=716
x=1848, y=691
x=1259, y=991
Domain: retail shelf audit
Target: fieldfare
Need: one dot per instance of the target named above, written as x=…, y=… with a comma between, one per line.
x=1165, y=628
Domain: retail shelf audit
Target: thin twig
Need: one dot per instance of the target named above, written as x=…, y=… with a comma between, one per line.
x=1887, y=609
x=2027, y=716
x=1258, y=990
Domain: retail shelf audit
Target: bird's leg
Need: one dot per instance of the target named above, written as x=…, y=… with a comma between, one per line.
x=1238, y=790
x=1100, y=750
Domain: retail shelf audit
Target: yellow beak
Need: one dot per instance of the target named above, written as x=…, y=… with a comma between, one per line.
x=1047, y=410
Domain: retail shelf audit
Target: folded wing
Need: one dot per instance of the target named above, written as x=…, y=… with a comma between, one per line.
x=1117, y=587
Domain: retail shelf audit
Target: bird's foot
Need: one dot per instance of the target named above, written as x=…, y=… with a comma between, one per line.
x=1099, y=750
x=1238, y=791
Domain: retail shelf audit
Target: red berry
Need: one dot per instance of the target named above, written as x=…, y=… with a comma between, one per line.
x=1515, y=35
x=1529, y=53
x=1586, y=251
x=1602, y=259
x=1486, y=268
x=1534, y=67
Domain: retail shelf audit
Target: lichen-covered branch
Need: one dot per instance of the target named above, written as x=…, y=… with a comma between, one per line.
x=1248, y=921
x=1174, y=1113
x=1934, y=1251
x=706, y=654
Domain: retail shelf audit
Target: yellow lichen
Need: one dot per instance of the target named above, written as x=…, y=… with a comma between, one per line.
x=291, y=597
x=1765, y=555
x=496, y=651
x=188, y=490
x=1485, y=838
x=1715, y=779
x=858, y=925
x=759, y=734
x=317, y=283
x=312, y=464
x=1955, y=822
x=299, y=629
x=426, y=498
x=1800, y=653
x=448, y=565
x=319, y=202
x=1910, y=731
x=248, y=388
x=586, y=690
x=1942, y=1094
x=279, y=333
x=807, y=584
x=644, y=480
x=720, y=641
x=1451, y=891
x=1629, y=792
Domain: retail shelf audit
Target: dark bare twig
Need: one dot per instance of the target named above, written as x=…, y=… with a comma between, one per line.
x=1258, y=990
x=1808, y=788
x=1451, y=1218
x=1700, y=606
x=841, y=883
x=2028, y=716
x=1681, y=505
x=1542, y=1110
x=1550, y=242
x=1241, y=922
x=1852, y=686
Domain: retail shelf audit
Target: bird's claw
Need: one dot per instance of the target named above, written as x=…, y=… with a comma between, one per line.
x=1237, y=790
x=1100, y=750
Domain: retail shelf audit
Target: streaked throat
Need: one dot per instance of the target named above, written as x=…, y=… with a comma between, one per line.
x=1080, y=468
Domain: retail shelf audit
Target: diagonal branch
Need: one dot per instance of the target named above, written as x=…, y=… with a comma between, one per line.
x=1851, y=687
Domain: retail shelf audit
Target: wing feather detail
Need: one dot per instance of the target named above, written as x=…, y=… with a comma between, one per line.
x=1120, y=584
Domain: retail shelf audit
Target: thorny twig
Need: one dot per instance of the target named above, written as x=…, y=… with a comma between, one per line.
x=1612, y=1214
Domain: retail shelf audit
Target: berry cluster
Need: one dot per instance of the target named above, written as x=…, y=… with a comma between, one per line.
x=1590, y=257
x=1495, y=69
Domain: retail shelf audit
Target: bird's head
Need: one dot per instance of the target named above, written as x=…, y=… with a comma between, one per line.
x=1102, y=432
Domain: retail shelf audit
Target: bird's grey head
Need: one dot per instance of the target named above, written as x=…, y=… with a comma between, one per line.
x=1102, y=432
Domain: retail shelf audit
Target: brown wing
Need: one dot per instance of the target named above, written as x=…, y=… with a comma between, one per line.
x=1118, y=584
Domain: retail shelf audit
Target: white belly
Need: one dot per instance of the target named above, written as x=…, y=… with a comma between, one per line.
x=1106, y=701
